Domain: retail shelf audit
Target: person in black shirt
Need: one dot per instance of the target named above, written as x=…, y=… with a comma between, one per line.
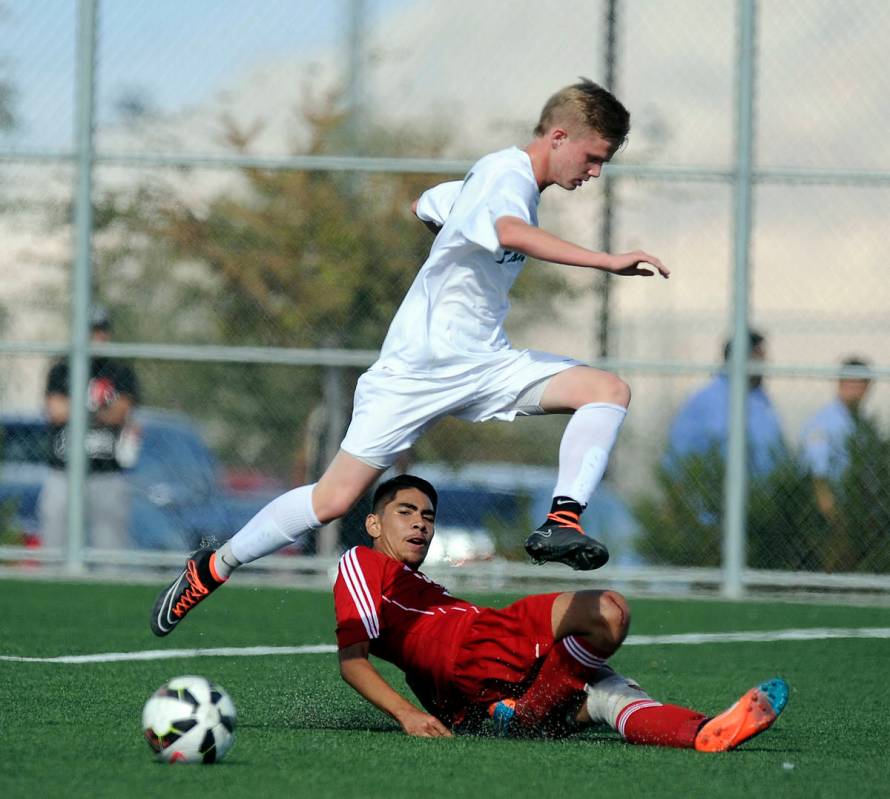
x=113, y=393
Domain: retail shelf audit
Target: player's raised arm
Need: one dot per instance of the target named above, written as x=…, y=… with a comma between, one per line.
x=519, y=236
x=359, y=672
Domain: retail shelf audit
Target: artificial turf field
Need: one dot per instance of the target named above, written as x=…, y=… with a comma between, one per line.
x=73, y=730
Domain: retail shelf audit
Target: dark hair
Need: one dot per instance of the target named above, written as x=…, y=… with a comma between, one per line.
x=100, y=319
x=388, y=489
x=754, y=339
x=856, y=360
x=589, y=105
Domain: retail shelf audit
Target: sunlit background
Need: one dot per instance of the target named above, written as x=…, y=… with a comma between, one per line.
x=252, y=169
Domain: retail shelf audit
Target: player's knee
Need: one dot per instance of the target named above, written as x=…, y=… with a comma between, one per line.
x=619, y=392
x=615, y=614
x=608, y=388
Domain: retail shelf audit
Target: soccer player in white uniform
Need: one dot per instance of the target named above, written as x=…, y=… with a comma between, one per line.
x=446, y=353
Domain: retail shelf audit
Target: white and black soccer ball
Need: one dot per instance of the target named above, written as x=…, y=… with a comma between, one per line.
x=189, y=720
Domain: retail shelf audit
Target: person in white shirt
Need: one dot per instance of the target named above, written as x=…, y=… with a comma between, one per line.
x=446, y=352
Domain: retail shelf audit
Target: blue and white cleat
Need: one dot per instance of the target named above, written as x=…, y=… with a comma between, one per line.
x=755, y=712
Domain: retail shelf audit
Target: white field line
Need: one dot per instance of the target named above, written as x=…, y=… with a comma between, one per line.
x=165, y=654
x=804, y=634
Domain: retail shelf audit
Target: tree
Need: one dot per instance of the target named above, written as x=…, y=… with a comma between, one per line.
x=7, y=101
x=859, y=537
x=683, y=523
x=8, y=92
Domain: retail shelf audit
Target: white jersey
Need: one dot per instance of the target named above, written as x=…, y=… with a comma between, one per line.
x=452, y=318
x=446, y=353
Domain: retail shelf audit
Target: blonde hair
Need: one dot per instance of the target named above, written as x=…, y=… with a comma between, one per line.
x=586, y=106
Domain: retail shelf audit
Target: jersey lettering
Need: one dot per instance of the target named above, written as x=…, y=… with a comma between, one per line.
x=510, y=257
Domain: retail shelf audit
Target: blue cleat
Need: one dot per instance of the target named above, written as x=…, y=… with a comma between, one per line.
x=776, y=690
x=502, y=714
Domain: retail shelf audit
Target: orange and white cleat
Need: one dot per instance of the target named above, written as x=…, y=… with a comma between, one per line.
x=755, y=712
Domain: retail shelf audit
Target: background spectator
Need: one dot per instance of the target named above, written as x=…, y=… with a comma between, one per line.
x=702, y=423
x=112, y=394
x=824, y=438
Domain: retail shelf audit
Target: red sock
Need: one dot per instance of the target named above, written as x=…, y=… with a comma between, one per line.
x=647, y=722
x=569, y=665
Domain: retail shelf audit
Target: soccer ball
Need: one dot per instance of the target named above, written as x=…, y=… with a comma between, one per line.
x=189, y=720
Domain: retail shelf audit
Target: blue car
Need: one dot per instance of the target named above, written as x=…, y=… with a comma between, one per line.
x=24, y=452
x=177, y=496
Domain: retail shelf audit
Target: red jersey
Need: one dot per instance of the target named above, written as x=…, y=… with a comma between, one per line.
x=409, y=620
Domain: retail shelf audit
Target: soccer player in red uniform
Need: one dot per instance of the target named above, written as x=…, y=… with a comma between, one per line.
x=536, y=666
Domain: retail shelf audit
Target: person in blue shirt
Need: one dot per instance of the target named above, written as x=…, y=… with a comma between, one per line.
x=825, y=434
x=702, y=423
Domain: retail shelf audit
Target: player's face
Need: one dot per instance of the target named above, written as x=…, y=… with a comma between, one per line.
x=852, y=392
x=405, y=527
x=576, y=159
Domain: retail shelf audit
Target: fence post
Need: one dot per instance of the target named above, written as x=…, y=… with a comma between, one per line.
x=329, y=535
x=604, y=287
x=328, y=539
x=356, y=66
x=735, y=490
x=79, y=355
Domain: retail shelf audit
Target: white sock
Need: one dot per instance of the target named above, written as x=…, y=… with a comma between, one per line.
x=584, y=451
x=224, y=560
x=285, y=520
x=609, y=696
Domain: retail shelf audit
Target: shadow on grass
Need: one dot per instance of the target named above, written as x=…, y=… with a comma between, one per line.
x=316, y=724
x=359, y=725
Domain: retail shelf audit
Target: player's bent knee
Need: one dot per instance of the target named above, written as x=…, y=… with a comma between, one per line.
x=608, y=388
x=615, y=612
x=620, y=392
x=627, y=395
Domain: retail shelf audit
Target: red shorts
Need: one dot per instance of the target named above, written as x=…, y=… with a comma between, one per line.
x=502, y=650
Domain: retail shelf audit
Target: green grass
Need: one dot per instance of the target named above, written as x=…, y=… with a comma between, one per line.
x=74, y=730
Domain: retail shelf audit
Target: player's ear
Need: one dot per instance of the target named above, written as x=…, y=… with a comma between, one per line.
x=372, y=525
x=558, y=136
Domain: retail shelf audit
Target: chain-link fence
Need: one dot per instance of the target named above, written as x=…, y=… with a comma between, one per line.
x=249, y=234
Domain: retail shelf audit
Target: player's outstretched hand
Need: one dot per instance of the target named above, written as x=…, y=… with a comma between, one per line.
x=637, y=263
x=423, y=725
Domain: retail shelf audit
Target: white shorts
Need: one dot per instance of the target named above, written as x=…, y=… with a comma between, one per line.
x=392, y=409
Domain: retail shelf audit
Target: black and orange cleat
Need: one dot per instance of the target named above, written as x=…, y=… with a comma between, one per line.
x=561, y=539
x=196, y=581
